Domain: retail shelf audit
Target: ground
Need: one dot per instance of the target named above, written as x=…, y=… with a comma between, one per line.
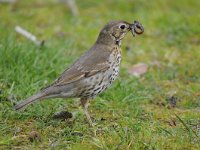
x=158, y=110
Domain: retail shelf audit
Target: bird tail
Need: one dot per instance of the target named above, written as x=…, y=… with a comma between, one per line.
x=30, y=100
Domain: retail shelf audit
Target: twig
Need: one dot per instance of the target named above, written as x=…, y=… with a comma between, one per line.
x=28, y=35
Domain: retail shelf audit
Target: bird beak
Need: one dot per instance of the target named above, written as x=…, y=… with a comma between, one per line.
x=136, y=28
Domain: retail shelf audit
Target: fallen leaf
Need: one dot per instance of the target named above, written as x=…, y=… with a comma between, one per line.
x=34, y=136
x=138, y=69
x=63, y=115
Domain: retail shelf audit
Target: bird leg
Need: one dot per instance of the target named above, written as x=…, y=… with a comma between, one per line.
x=84, y=104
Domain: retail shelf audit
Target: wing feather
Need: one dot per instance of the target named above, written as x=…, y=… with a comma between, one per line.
x=92, y=62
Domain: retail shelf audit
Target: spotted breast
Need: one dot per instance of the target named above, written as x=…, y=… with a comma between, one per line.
x=98, y=83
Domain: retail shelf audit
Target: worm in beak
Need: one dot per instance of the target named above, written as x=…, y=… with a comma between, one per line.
x=136, y=28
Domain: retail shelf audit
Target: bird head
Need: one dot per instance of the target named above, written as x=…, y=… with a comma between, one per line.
x=115, y=31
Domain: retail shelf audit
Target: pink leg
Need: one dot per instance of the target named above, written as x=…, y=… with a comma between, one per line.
x=84, y=104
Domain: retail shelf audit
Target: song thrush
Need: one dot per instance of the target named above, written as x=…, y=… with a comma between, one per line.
x=94, y=71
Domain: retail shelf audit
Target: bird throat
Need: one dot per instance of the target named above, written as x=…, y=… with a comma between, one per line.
x=118, y=43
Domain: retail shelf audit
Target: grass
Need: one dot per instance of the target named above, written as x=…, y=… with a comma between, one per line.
x=135, y=113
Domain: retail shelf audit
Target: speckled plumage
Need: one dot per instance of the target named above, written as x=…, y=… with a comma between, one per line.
x=92, y=73
x=100, y=81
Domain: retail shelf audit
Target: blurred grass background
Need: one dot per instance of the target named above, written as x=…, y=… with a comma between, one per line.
x=159, y=110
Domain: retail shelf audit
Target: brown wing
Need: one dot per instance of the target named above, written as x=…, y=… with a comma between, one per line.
x=92, y=62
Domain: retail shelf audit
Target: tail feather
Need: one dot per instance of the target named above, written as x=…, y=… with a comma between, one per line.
x=30, y=100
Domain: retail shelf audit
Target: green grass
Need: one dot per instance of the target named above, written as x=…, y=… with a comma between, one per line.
x=134, y=113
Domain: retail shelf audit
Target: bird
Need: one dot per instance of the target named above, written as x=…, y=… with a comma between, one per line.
x=93, y=72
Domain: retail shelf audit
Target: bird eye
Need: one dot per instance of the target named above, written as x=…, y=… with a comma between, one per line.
x=122, y=26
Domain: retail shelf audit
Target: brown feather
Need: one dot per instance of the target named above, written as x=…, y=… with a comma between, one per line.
x=87, y=65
